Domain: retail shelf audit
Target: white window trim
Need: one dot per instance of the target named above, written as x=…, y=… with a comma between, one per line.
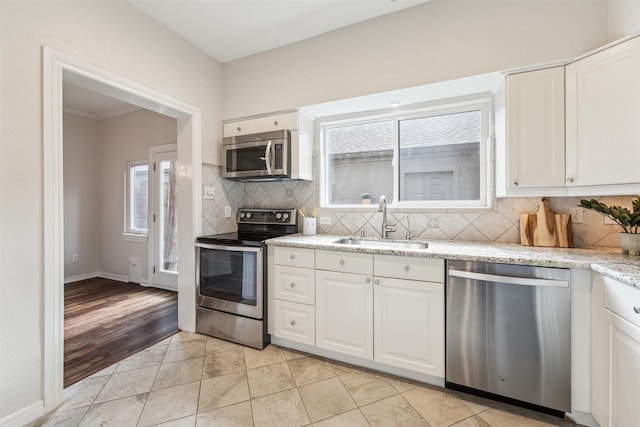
x=128, y=233
x=481, y=101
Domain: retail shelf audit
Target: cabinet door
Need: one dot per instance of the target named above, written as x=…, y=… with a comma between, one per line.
x=295, y=284
x=535, y=129
x=625, y=373
x=344, y=313
x=409, y=324
x=603, y=106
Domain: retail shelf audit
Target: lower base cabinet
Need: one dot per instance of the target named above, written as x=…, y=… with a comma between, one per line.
x=409, y=325
x=295, y=322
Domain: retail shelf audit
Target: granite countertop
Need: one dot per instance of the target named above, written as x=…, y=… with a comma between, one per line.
x=607, y=261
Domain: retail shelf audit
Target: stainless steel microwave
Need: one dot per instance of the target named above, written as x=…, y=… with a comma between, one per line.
x=259, y=156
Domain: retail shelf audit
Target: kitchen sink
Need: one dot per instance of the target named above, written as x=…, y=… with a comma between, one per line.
x=382, y=243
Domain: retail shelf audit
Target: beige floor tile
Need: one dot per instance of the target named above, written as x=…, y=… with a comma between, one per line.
x=215, y=345
x=223, y=391
x=356, y=378
x=182, y=422
x=326, y=398
x=148, y=357
x=267, y=356
x=498, y=418
x=238, y=415
x=292, y=354
x=474, y=421
x=171, y=403
x=183, y=350
x=121, y=412
x=164, y=342
x=184, y=336
x=106, y=371
x=401, y=385
x=216, y=364
x=342, y=369
x=83, y=393
x=393, y=411
x=177, y=373
x=130, y=383
x=70, y=418
x=367, y=393
x=438, y=408
x=269, y=379
x=283, y=409
x=307, y=370
x=353, y=418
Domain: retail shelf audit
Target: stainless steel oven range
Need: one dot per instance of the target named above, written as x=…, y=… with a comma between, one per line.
x=231, y=276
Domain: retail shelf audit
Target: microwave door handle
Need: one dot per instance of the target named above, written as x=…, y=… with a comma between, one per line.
x=267, y=157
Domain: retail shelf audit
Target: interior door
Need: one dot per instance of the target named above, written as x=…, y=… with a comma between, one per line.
x=165, y=221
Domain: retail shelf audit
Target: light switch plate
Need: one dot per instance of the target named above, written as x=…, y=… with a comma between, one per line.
x=325, y=220
x=209, y=193
x=576, y=215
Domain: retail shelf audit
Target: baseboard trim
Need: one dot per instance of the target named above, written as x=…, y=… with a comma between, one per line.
x=24, y=416
x=583, y=418
x=104, y=275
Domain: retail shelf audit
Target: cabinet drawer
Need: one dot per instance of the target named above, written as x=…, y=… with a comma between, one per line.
x=294, y=257
x=295, y=322
x=622, y=299
x=411, y=268
x=295, y=284
x=345, y=262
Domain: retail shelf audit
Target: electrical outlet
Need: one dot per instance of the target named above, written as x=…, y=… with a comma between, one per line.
x=325, y=220
x=227, y=211
x=576, y=215
x=75, y=258
x=209, y=193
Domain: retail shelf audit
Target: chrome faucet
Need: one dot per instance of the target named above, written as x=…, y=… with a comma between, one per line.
x=386, y=228
x=409, y=235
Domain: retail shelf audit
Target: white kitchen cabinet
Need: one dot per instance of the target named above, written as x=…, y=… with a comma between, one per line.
x=295, y=322
x=535, y=129
x=602, y=111
x=344, y=313
x=271, y=122
x=409, y=324
x=615, y=353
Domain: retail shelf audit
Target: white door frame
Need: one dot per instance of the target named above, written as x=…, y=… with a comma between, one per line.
x=55, y=65
x=152, y=236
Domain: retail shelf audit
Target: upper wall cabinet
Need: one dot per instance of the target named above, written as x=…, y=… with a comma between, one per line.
x=288, y=120
x=603, y=117
x=535, y=129
x=573, y=130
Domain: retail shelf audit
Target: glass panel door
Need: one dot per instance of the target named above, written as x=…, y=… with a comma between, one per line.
x=165, y=259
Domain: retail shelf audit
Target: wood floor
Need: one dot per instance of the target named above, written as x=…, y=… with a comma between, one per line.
x=106, y=321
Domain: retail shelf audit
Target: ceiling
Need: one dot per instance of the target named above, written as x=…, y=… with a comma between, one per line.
x=232, y=29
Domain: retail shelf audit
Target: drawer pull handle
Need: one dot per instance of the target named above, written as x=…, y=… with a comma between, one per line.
x=239, y=128
x=293, y=256
x=341, y=262
x=406, y=268
x=377, y=282
x=636, y=308
x=368, y=280
x=293, y=285
x=293, y=323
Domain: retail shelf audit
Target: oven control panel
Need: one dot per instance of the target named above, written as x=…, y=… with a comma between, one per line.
x=268, y=216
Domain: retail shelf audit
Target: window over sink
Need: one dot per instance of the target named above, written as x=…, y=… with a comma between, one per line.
x=422, y=156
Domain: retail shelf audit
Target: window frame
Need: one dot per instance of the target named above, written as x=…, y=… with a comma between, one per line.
x=129, y=232
x=484, y=102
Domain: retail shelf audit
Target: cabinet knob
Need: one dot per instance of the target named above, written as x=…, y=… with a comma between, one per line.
x=516, y=183
x=293, y=256
x=341, y=262
x=406, y=268
x=275, y=122
x=377, y=282
x=239, y=128
x=293, y=285
x=367, y=280
x=636, y=309
x=293, y=322
x=570, y=180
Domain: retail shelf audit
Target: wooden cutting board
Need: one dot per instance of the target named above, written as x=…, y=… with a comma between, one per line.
x=545, y=228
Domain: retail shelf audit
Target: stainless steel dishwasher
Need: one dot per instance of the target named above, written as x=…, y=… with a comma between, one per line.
x=509, y=333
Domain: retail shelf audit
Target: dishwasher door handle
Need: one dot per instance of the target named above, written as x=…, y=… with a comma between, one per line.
x=525, y=281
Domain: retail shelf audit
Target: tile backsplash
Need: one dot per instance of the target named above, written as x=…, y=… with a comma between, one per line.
x=502, y=224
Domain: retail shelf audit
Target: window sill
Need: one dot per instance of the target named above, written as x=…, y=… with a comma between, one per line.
x=132, y=237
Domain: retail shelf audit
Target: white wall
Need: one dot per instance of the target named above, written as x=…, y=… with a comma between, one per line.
x=82, y=210
x=113, y=36
x=437, y=41
x=122, y=139
x=624, y=18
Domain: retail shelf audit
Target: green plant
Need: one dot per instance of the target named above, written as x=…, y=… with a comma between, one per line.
x=629, y=220
x=365, y=196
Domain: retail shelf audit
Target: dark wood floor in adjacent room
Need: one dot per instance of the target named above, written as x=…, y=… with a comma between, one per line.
x=106, y=321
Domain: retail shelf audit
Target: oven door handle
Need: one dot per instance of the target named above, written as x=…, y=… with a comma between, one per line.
x=267, y=157
x=229, y=248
